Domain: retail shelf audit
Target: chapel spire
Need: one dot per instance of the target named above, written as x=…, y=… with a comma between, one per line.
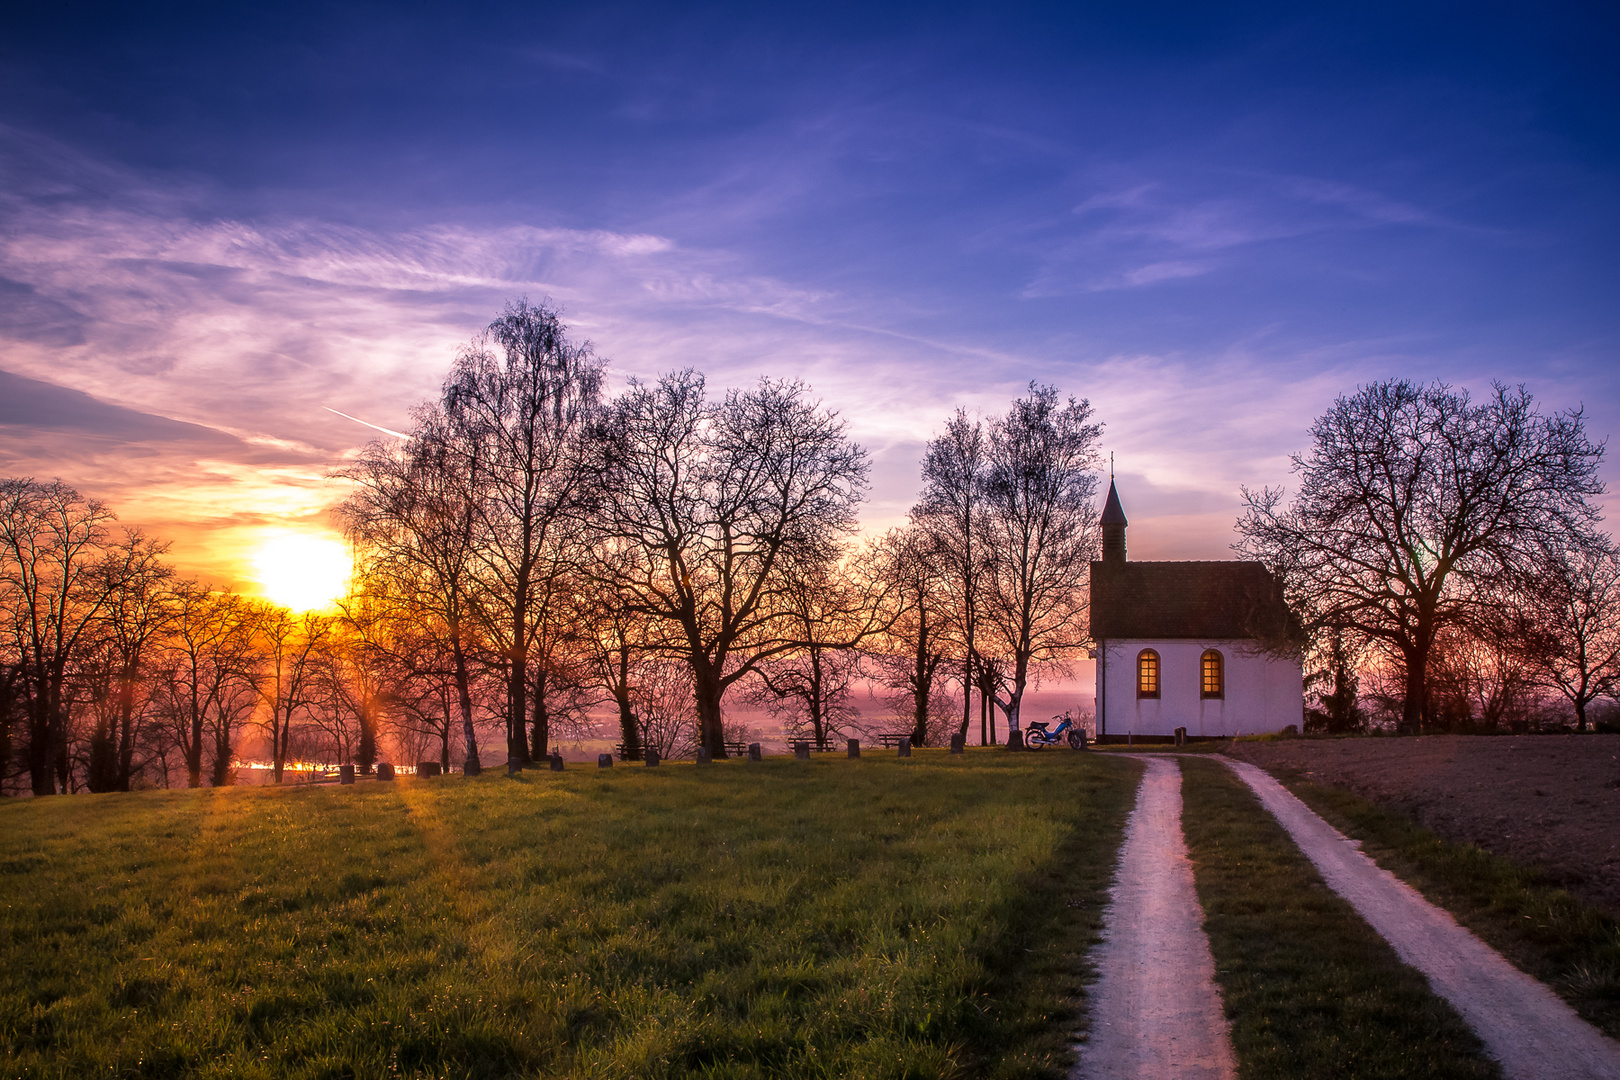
x=1113, y=527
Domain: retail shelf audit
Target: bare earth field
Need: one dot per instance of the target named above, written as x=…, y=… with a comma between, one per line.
x=1547, y=801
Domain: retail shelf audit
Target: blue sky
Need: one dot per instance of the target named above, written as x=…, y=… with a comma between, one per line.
x=216, y=225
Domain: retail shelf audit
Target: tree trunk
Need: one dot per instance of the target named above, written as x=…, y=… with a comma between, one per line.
x=707, y=689
x=366, y=755
x=126, y=732
x=542, y=723
x=1417, y=692
x=517, y=676
x=629, y=728
x=464, y=696
x=39, y=751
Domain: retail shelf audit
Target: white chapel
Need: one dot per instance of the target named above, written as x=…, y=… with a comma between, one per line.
x=1188, y=645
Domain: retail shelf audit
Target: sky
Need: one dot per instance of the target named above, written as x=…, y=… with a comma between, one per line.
x=233, y=236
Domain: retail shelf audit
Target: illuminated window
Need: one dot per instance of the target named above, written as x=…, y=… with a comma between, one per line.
x=1147, y=674
x=1213, y=676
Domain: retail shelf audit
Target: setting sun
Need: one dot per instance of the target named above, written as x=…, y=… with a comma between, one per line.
x=302, y=571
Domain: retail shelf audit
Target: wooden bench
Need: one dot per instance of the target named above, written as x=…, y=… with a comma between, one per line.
x=892, y=739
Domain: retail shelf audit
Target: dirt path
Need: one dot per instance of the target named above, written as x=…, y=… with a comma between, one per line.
x=1547, y=801
x=1533, y=1034
x=1156, y=1012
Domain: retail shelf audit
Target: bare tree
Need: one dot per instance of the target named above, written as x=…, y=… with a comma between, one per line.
x=291, y=647
x=211, y=678
x=1415, y=503
x=951, y=509
x=52, y=593
x=1040, y=483
x=136, y=613
x=809, y=687
x=517, y=403
x=1567, y=626
x=709, y=509
x=908, y=655
x=416, y=521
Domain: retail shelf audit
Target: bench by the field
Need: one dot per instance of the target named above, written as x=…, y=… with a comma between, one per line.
x=892, y=739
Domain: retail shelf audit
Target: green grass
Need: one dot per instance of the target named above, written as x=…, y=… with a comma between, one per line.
x=1311, y=990
x=1570, y=945
x=871, y=918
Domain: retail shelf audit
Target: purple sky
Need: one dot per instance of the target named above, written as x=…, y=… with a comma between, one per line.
x=217, y=226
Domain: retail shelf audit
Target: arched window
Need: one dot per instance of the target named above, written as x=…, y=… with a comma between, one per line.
x=1147, y=673
x=1212, y=675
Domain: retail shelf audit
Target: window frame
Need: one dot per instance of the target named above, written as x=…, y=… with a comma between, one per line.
x=1204, y=692
x=1145, y=659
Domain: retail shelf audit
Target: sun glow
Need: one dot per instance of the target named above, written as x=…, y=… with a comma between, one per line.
x=302, y=571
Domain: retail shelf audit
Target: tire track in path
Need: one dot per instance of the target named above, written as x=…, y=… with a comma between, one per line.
x=1524, y=1025
x=1156, y=1013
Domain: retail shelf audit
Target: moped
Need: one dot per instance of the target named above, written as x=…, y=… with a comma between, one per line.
x=1037, y=736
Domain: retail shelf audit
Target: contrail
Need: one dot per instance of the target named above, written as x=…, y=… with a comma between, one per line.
x=374, y=427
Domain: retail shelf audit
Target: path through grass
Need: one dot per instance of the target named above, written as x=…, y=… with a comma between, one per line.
x=1565, y=942
x=1311, y=990
x=872, y=918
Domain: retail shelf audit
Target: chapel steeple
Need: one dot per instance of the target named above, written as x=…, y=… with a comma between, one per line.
x=1113, y=527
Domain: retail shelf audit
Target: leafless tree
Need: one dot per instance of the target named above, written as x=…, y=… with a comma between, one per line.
x=1040, y=484
x=211, y=675
x=516, y=405
x=291, y=649
x=133, y=620
x=1415, y=503
x=1566, y=626
x=415, y=518
x=951, y=510
x=52, y=592
x=710, y=509
x=808, y=688
x=908, y=655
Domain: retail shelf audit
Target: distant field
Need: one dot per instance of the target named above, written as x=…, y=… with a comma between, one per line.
x=872, y=918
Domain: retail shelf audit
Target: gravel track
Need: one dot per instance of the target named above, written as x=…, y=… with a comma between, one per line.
x=1156, y=1013
x=1533, y=1034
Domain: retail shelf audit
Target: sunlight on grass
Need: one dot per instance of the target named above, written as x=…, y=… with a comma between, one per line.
x=874, y=918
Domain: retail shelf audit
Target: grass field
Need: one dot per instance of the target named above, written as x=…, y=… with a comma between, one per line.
x=1570, y=945
x=1311, y=990
x=872, y=918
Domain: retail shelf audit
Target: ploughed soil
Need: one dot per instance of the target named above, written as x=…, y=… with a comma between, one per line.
x=1547, y=801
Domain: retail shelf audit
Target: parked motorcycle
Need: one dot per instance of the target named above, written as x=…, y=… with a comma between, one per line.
x=1036, y=735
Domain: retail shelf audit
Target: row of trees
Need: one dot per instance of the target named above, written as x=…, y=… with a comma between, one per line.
x=533, y=553
x=116, y=672
x=1446, y=559
x=587, y=550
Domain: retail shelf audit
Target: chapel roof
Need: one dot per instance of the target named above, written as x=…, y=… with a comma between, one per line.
x=1203, y=600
